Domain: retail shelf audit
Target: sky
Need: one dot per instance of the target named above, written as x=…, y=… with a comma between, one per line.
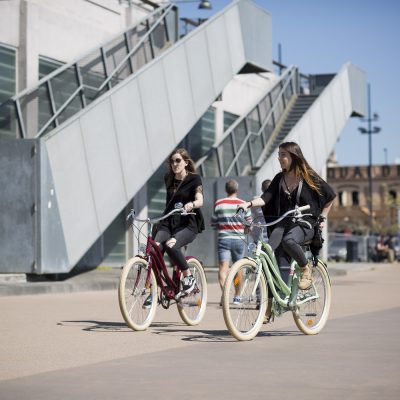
x=319, y=36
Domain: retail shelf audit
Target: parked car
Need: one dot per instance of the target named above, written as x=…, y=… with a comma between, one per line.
x=346, y=249
x=337, y=250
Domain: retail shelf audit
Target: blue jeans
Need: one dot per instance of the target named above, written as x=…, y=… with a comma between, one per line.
x=230, y=249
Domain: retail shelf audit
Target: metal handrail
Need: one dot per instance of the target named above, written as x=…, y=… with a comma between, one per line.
x=133, y=51
x=59, y=111
x=288, y=76
x=71, y=64
x=45, y=82
x=267, y=118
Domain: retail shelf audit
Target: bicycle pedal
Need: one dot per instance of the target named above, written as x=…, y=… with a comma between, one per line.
x=179, y=296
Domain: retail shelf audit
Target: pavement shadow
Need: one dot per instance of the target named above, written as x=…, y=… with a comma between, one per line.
x=105, y=326
x=217, y=335
x=198, y=335
x=97, y=326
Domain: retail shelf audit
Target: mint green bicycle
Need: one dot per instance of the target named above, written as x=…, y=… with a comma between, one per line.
x=245, y=294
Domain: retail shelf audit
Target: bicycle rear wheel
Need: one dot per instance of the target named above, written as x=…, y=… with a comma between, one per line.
x=243, y=303
x=133, y=292
x=192, y=307
x=311, y=316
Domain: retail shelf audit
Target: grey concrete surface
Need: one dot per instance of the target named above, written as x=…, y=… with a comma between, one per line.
x=107, y=279
x=77, y=346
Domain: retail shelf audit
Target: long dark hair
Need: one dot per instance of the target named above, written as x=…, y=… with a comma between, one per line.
x=190, y=167
x=300, y=165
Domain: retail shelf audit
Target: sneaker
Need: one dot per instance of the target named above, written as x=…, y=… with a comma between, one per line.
x=188, y=284
x=305, y=278
x=148, y=302
x=237, y=300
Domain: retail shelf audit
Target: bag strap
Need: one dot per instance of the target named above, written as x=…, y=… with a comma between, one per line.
x=170, y=200
x=299, y=191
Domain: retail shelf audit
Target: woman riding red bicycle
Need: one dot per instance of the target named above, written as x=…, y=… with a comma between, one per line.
x=184, y=190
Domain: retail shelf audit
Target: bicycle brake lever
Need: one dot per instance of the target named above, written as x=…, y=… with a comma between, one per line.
x=131, y=214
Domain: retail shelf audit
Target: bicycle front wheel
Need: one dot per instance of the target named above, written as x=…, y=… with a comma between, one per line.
x=192, y=307
x=244, y=301
x=311, y=316
x=137, y=295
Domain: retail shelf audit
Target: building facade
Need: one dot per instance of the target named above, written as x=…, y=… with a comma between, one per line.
x=351, y=210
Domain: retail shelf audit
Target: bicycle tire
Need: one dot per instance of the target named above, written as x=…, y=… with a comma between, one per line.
x=244, y=320
x=311, y=317
x=193, y=306
x=131, y=299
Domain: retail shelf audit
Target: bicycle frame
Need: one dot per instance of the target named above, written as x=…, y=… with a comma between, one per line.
x=266, y=263
x=168, y=285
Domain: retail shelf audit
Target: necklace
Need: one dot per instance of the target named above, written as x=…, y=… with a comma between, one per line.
x=288, y=191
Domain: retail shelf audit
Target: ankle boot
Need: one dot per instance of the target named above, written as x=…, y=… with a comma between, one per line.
x=305, y=278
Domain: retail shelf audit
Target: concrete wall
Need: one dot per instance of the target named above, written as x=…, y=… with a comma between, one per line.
x=18, y=169
x=101, y=157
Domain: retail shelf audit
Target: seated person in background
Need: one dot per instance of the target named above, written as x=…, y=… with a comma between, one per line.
x=383, y=249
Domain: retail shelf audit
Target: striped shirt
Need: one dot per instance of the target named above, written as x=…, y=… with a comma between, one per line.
x=228, y=226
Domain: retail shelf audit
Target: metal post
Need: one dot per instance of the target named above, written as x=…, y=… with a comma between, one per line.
x=370, y=159
x=371, y=130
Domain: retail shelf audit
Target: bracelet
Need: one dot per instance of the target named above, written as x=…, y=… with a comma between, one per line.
x=251, y=204
x=193, y=205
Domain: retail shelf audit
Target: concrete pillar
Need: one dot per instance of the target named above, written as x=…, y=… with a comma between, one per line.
x=28, y=62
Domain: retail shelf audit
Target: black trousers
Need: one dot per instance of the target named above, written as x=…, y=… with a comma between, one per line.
x=287, y=244
x=183, y=238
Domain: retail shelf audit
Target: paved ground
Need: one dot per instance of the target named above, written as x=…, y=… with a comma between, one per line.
x=107, y=279
x=75, y=345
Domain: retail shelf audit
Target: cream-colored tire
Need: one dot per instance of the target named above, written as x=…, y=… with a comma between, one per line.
x=134, y=289
x=244, y=318
x=192, y=307
x=311, y=316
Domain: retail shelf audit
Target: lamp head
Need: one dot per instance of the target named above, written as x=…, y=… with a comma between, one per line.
x=205, y=5
x=362, y=130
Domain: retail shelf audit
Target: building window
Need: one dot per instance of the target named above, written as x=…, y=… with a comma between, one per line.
x=392, y=195
x=342, y=199
x=229, y=119
x=355, y=198
x=63, y=86
x=8, y=87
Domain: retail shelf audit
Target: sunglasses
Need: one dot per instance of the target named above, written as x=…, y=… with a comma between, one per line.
x=176, y=161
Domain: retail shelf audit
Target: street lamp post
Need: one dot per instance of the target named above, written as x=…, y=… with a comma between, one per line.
x=370, y=131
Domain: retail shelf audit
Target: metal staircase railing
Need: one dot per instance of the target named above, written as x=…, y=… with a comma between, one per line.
x=242, y=146
x=72, y=87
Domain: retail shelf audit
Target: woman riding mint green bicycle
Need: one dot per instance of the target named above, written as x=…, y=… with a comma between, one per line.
x=245, y=296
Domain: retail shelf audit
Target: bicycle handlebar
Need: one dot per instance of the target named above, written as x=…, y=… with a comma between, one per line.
x=181, y=211
x=297, y=211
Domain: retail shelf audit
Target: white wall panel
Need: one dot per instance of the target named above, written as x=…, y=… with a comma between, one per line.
x=235, y=43
x=180, y=94
x=73, y=190
x=103, y=162
x=131, y=138
x=156, y=111
x=200, y=72
x=220, y=58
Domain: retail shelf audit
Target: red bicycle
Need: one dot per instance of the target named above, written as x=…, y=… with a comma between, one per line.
x=144, y=274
